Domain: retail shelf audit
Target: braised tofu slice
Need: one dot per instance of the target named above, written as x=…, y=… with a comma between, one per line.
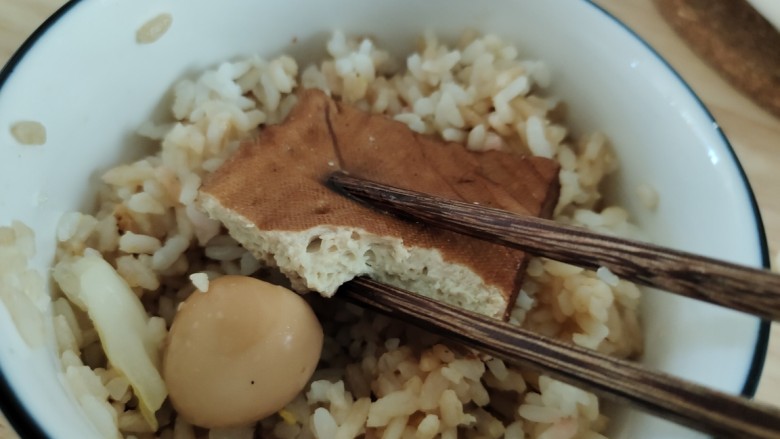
x=272, y=197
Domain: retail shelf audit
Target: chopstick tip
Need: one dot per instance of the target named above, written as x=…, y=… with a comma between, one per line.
x=341, y=181
x=336, y=179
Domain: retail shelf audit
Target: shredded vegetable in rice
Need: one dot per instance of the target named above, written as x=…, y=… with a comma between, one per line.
x=130, y=338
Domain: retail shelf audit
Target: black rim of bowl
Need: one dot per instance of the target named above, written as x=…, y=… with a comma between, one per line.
x=27, y=427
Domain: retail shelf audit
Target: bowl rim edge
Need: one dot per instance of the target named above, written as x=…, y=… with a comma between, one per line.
x=22, y=421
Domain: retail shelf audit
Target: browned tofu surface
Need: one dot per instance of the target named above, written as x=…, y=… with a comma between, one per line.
x=277, y=182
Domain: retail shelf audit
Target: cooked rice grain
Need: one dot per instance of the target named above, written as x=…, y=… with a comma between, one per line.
x=200, y=281
x=29, y=132
x=153, y=29
x=648, y=196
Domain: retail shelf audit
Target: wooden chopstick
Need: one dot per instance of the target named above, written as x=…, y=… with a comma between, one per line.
x=698, y=407
x=734, y=286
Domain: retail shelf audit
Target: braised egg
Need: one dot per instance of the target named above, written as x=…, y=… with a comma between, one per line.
x=239, y=352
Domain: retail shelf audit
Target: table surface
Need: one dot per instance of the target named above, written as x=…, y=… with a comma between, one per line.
x=753, y=132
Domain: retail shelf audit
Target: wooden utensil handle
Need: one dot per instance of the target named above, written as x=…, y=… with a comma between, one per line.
x=689, y=404
x=737, y=287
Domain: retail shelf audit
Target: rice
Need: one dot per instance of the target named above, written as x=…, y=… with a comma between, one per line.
x=131, y=242
x=607, y=276
x=29, y=132
x=648, y=196
x=377, y=377
x=153, y=29
x=200, y=281
x=22, y=289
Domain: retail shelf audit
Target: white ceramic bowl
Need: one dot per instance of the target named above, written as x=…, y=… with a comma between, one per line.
x=770, y=9
x=83, y=75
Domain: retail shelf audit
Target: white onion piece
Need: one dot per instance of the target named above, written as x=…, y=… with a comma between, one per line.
x=122, y=324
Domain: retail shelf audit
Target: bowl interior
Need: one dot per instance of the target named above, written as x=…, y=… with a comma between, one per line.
x=91, y=85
